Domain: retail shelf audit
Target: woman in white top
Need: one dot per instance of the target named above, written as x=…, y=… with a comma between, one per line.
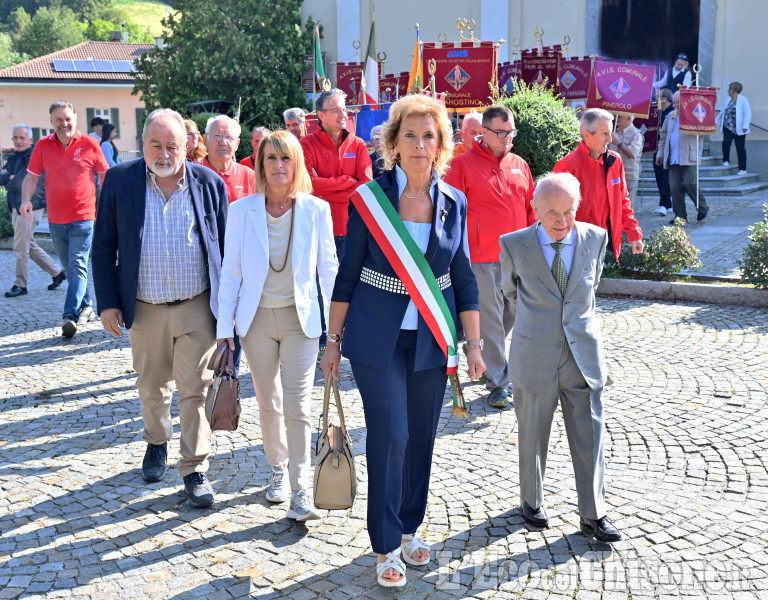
x=734, y=122
x=275, y=243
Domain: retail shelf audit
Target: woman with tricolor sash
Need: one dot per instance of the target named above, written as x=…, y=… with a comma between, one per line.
x=404, y=280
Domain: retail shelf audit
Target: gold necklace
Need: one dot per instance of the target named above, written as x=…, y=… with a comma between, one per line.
x=288, y=249
x=410, y=197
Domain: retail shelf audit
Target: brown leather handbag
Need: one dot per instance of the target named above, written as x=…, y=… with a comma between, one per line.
x=222, y=402
x=335, y=485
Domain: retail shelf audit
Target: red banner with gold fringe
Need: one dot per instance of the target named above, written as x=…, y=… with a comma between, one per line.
x=697, y=110
x=463, y=72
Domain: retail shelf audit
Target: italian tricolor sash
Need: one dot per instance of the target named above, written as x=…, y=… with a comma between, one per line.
x=412, y=268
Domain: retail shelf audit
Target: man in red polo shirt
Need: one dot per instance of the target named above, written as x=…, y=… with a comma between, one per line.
x=257, y=134
x=69, y=160
x=222, y=137
x=499, y=189
x=604, y=197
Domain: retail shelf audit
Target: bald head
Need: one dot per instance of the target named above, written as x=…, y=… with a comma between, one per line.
x=555, y=202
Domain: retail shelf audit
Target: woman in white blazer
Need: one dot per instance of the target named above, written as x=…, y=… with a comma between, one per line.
x=734, y=120
x=276, y=242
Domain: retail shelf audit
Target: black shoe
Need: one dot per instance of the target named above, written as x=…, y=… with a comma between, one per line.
x=155, y=462
x=198, y=490
x=57, y=281
x=535, y=516
x=600, y=529
x=16, y=291
x=702, y=214
x=69, y=326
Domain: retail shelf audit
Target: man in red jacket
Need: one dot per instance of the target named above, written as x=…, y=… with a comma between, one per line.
x=604, y=197
x=337, y=162
x=499, y=190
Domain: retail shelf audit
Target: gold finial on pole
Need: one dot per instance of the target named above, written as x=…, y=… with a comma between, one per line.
x=356, y=46
x=382, y=56
x=432, y=66
x=461, y=25
x=566, y=41
x=538, y=34
x=471, y=26
x=442, y=37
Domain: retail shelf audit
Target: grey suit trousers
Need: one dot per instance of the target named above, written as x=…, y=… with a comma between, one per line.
x=496, y=318
x=583, y=418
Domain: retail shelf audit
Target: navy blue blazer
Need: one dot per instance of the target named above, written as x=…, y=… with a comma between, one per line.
x=120, y=227
x=374, y=316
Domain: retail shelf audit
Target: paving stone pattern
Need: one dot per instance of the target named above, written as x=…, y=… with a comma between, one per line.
x=686, y=448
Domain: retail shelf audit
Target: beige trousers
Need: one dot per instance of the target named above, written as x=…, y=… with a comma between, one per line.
x=25, y=247
x=282, y=362
x=174, y=343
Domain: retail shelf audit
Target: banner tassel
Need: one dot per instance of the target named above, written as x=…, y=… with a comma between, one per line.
x=459, y=406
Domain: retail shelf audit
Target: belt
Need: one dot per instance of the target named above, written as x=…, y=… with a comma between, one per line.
x=394, y=284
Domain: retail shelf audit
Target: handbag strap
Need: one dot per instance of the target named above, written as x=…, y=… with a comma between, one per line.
x=330, y=382
x=217, y=356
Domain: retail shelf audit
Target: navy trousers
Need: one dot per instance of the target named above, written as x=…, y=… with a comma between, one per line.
x=402, y=409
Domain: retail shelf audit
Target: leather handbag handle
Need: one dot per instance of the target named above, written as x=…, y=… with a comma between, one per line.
x=332, y=383
x=216, y=357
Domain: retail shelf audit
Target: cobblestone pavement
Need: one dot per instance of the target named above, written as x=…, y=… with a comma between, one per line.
x=686, y=447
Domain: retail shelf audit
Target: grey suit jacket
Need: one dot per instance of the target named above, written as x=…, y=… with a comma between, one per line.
x=544, y=319
x=686, y=142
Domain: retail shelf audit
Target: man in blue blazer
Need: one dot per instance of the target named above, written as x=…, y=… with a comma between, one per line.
x=157, y=251
x=550, y=272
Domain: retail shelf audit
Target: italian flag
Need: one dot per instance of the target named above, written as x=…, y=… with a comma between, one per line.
x=369, y=89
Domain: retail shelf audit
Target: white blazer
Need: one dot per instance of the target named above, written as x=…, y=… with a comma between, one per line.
x=246, y=263
x=743, y=113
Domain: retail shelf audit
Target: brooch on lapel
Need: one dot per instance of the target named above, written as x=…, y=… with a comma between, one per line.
x=443, y=215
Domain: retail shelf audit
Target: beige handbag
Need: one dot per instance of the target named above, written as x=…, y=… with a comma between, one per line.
x=335, y=483
x=222, y=402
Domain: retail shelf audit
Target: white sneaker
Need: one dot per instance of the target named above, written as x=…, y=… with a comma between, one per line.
x=743, y=172
x=301, y=508
x=277, y=491
x=86, y=314
x=726, y=163
x=661, y=210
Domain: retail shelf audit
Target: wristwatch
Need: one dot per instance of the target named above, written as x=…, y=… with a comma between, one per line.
x=620, y=144
x=478, y=343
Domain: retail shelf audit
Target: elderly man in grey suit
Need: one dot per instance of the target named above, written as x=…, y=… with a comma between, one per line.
x=550, y=272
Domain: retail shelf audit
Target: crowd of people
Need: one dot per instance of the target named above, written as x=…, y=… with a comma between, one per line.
x=307, y=250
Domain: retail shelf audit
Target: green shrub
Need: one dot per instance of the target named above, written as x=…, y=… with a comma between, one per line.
x=6, y=225
x=754, y=261
x=547, y=130
x=667, y=252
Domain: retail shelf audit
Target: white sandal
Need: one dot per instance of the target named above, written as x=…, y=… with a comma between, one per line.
x=391, y=562
x=412, y=543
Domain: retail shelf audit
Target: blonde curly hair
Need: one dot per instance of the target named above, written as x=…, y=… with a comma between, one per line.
x=419, y=105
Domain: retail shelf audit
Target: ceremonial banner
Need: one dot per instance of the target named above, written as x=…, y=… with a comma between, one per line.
x=574, y=76
x=348, y=79
x=621, y=88
x=397, y=84
x=650, y=129
x=697, y=110
x=541, y=68
x=508, y=72
x=464, y=71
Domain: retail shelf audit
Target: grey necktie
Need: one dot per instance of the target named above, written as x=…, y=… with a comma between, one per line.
x=558, y=268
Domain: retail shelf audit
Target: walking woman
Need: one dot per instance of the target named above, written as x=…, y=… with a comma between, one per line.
x=404, y=279
x=276, y=242
x=734, y=122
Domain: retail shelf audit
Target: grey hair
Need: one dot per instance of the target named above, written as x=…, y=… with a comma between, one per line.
x=61, y=104
x=563, y=183
x=160, y=112
x=667, y=93
x=262, y=130
x=22, y=126
x=294, y=113
x=324, y=97
x=376, y=130
x=472, y=115
x=234, y=125
x=592, y=116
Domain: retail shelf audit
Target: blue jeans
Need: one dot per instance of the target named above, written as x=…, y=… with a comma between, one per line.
x=341, y=244
x=73, y=245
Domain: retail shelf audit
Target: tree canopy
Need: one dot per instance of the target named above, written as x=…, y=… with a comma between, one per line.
x=240, y=49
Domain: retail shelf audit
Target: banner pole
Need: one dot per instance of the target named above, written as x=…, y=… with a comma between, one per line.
x=698, y=155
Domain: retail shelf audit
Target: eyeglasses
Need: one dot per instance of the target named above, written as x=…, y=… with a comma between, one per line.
x=337, y=112
x=223, y=138
x=503, y=133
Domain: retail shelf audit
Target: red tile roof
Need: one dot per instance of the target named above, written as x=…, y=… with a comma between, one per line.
x=41, y=68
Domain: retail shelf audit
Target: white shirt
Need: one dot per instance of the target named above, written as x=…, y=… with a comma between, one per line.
x=420, y=234
x=566, y=252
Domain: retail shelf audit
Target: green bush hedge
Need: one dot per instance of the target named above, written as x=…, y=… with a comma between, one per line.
x=667, y=252
x=754, y=261
x=6, y=226
x=547, y=130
